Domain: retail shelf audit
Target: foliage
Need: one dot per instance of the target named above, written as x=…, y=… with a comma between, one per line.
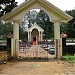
x=6, y=6
x=70, y=26
x=5, y=29
x=63, y=27
x=29, y=19
x=23, y=34
x=44, y=22
x=69, y=58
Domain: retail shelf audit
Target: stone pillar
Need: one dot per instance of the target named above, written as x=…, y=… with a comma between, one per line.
x=57, y=39
x=15, y=37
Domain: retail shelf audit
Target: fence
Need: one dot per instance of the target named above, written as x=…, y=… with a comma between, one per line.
x=26, y=50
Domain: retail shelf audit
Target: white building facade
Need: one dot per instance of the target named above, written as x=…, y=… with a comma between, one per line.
x=35, y=33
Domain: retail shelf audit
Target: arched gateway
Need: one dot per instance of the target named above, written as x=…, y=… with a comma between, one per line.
x=55, y=14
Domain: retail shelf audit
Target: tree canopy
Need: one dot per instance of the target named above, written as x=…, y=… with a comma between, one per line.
x=6, y=6
x=43, y=21
x=69, y=28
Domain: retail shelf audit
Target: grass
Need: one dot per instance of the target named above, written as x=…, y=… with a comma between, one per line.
x=69, y=58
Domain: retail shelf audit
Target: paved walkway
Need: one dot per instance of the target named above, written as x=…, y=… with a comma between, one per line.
x=33, y=51
x=37, y=68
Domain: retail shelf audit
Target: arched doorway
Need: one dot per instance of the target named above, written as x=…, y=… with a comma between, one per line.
x=35, y=35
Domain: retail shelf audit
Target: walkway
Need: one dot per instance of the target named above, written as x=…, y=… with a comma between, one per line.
x=33, y=51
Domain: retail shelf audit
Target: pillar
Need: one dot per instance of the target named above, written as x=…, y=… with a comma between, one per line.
x=15, y=37
x=57, y=39
x=39, y=35
x=60, y=47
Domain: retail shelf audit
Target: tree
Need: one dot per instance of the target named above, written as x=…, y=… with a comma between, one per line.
x=69, y=28
x=5, y=29
x=23, y=34
x=44, y=22
x=6, y=6
x=71, y=24
x=29, y=19
x=63, y=27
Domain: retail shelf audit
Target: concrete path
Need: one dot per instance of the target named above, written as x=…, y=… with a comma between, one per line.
x=34, y=51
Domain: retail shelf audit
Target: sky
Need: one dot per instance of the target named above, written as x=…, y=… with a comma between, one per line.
x=62, y=4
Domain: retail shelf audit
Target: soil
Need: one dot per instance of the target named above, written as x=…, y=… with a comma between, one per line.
x=37, y=68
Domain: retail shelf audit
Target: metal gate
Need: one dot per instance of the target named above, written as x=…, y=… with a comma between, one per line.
x=26, y=50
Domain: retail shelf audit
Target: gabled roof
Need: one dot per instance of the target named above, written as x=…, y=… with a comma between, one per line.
x=42, y=3
x=35, y=26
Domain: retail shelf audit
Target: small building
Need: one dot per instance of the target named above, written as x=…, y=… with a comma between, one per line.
x=35, y=33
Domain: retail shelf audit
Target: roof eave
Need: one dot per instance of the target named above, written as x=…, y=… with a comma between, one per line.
x=57, y=10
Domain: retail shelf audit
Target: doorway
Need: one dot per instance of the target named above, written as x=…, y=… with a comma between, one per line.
x=34, y=38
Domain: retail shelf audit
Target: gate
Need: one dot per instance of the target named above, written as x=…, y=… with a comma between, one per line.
x=26, y=50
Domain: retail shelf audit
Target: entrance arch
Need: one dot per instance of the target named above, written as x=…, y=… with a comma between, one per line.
x=37, y=7
x=55, y=13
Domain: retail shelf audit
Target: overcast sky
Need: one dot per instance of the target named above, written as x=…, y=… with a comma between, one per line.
x=62, y=4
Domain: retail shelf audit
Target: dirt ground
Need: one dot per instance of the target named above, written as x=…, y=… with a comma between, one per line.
x=37, y=68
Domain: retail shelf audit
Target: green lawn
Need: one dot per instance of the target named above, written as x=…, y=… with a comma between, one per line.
x=69, y=58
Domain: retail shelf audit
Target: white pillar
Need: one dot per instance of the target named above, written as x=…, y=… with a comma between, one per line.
x=15, y=37
x=57, y=39
x=57, y=30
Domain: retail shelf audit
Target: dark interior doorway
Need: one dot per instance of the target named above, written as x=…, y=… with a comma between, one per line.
x=34, y=38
